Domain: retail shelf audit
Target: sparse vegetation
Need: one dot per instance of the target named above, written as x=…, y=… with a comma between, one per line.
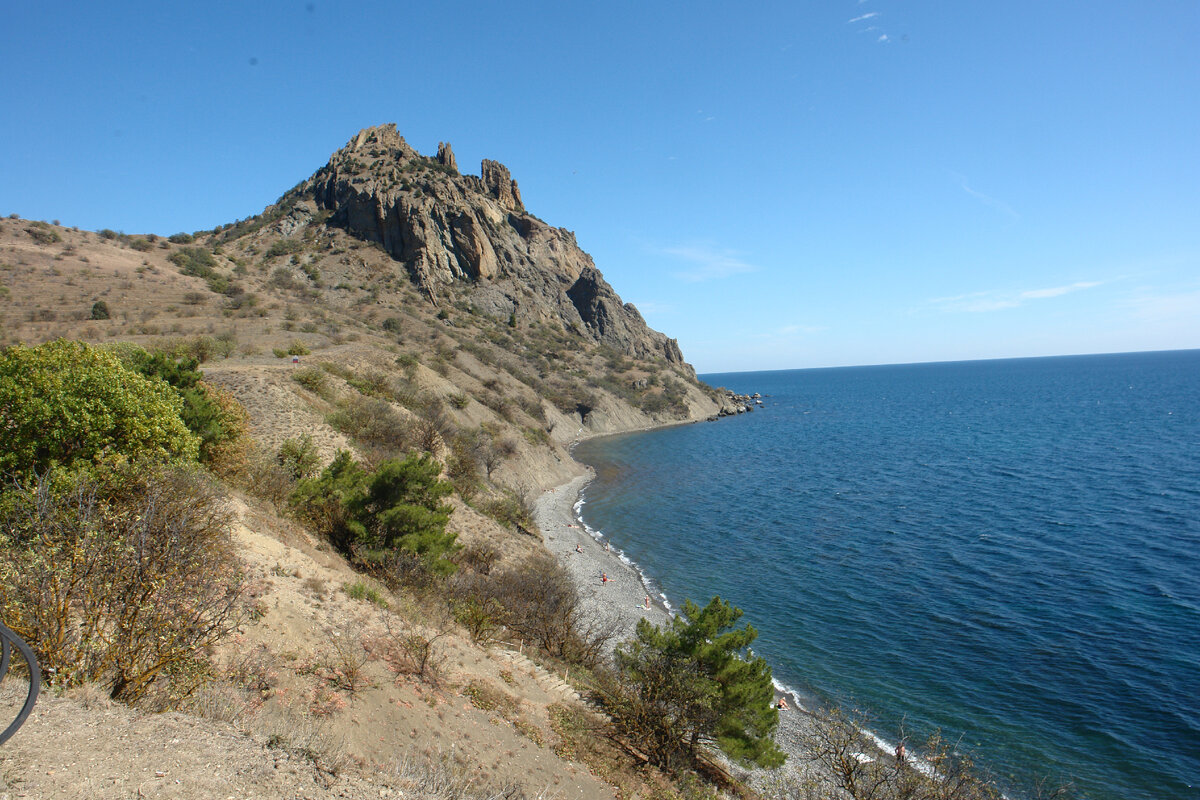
x=122, y=577
x=417, y=438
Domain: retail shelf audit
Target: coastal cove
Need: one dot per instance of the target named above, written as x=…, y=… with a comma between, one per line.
x=1005, y=550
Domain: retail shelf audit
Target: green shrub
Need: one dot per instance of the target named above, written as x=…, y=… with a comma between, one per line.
x=141, y=245
x=462, y=468
x=371, y=515
x=42, y=233
x=65, y=402
x=391, y=325
x=100, y=310
x=297, y=348
x=284, y=247
x=195, y=261
x=360, y=590
x=181, y=238
x=511, y=510
x=311, y=378
x=298, y=457
x=216, y=419
x=537, y=437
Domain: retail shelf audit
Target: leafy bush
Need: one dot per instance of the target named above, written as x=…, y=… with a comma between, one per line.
x=360, y=590
x=297, y=348
x=181, y=238
x=65, y=402
x=372, y=515
x=195, y=261
x=538, y=603
x=284, y=247
x=298, y=457
x=215, y=417
x=43, y=234
x=511, y=510
x=126, y=579
x=100, y=310
x=198, y=262
x=462, y=467
x=311, y=378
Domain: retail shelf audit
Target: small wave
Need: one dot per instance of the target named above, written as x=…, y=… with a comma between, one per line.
x=648, y=583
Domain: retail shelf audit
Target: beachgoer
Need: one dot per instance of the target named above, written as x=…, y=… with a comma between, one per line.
x=604, y=577
x=578, y=548
x=647, y=603
x=782, y=705
x=900, y=753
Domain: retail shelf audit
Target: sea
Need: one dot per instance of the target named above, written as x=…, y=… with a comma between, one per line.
x=1007, y=551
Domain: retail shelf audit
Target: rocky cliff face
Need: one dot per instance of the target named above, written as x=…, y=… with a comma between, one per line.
x=474, y=234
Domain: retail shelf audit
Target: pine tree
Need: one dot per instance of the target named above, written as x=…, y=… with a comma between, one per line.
x=694, y=683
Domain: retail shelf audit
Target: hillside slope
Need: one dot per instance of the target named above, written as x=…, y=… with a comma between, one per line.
x=387, y=303
x=407, y=282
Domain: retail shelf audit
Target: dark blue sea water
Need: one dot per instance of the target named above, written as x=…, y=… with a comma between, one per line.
x=1008, y=550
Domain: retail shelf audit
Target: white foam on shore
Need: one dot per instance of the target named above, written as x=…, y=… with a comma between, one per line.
x=651, y=586
x=804, y=701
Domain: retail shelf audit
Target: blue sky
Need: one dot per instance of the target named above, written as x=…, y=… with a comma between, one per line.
x=784, y=185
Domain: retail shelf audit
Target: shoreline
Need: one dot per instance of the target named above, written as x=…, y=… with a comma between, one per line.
x=622, y=601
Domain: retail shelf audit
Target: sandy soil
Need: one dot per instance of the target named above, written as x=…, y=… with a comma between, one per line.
x=336, y=707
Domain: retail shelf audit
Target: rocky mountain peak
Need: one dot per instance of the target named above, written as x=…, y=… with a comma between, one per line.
x=500, y=185
x=466, y=234
x=445, y=156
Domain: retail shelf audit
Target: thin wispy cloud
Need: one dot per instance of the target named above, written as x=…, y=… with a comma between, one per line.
x=981, y=302
x=706, y=262
x=1162, y=305
x=987, y=200
x=869, y=17
x=1057, y=291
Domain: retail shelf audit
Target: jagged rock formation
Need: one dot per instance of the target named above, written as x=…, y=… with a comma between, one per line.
x=445, y=156
x=473, y=233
